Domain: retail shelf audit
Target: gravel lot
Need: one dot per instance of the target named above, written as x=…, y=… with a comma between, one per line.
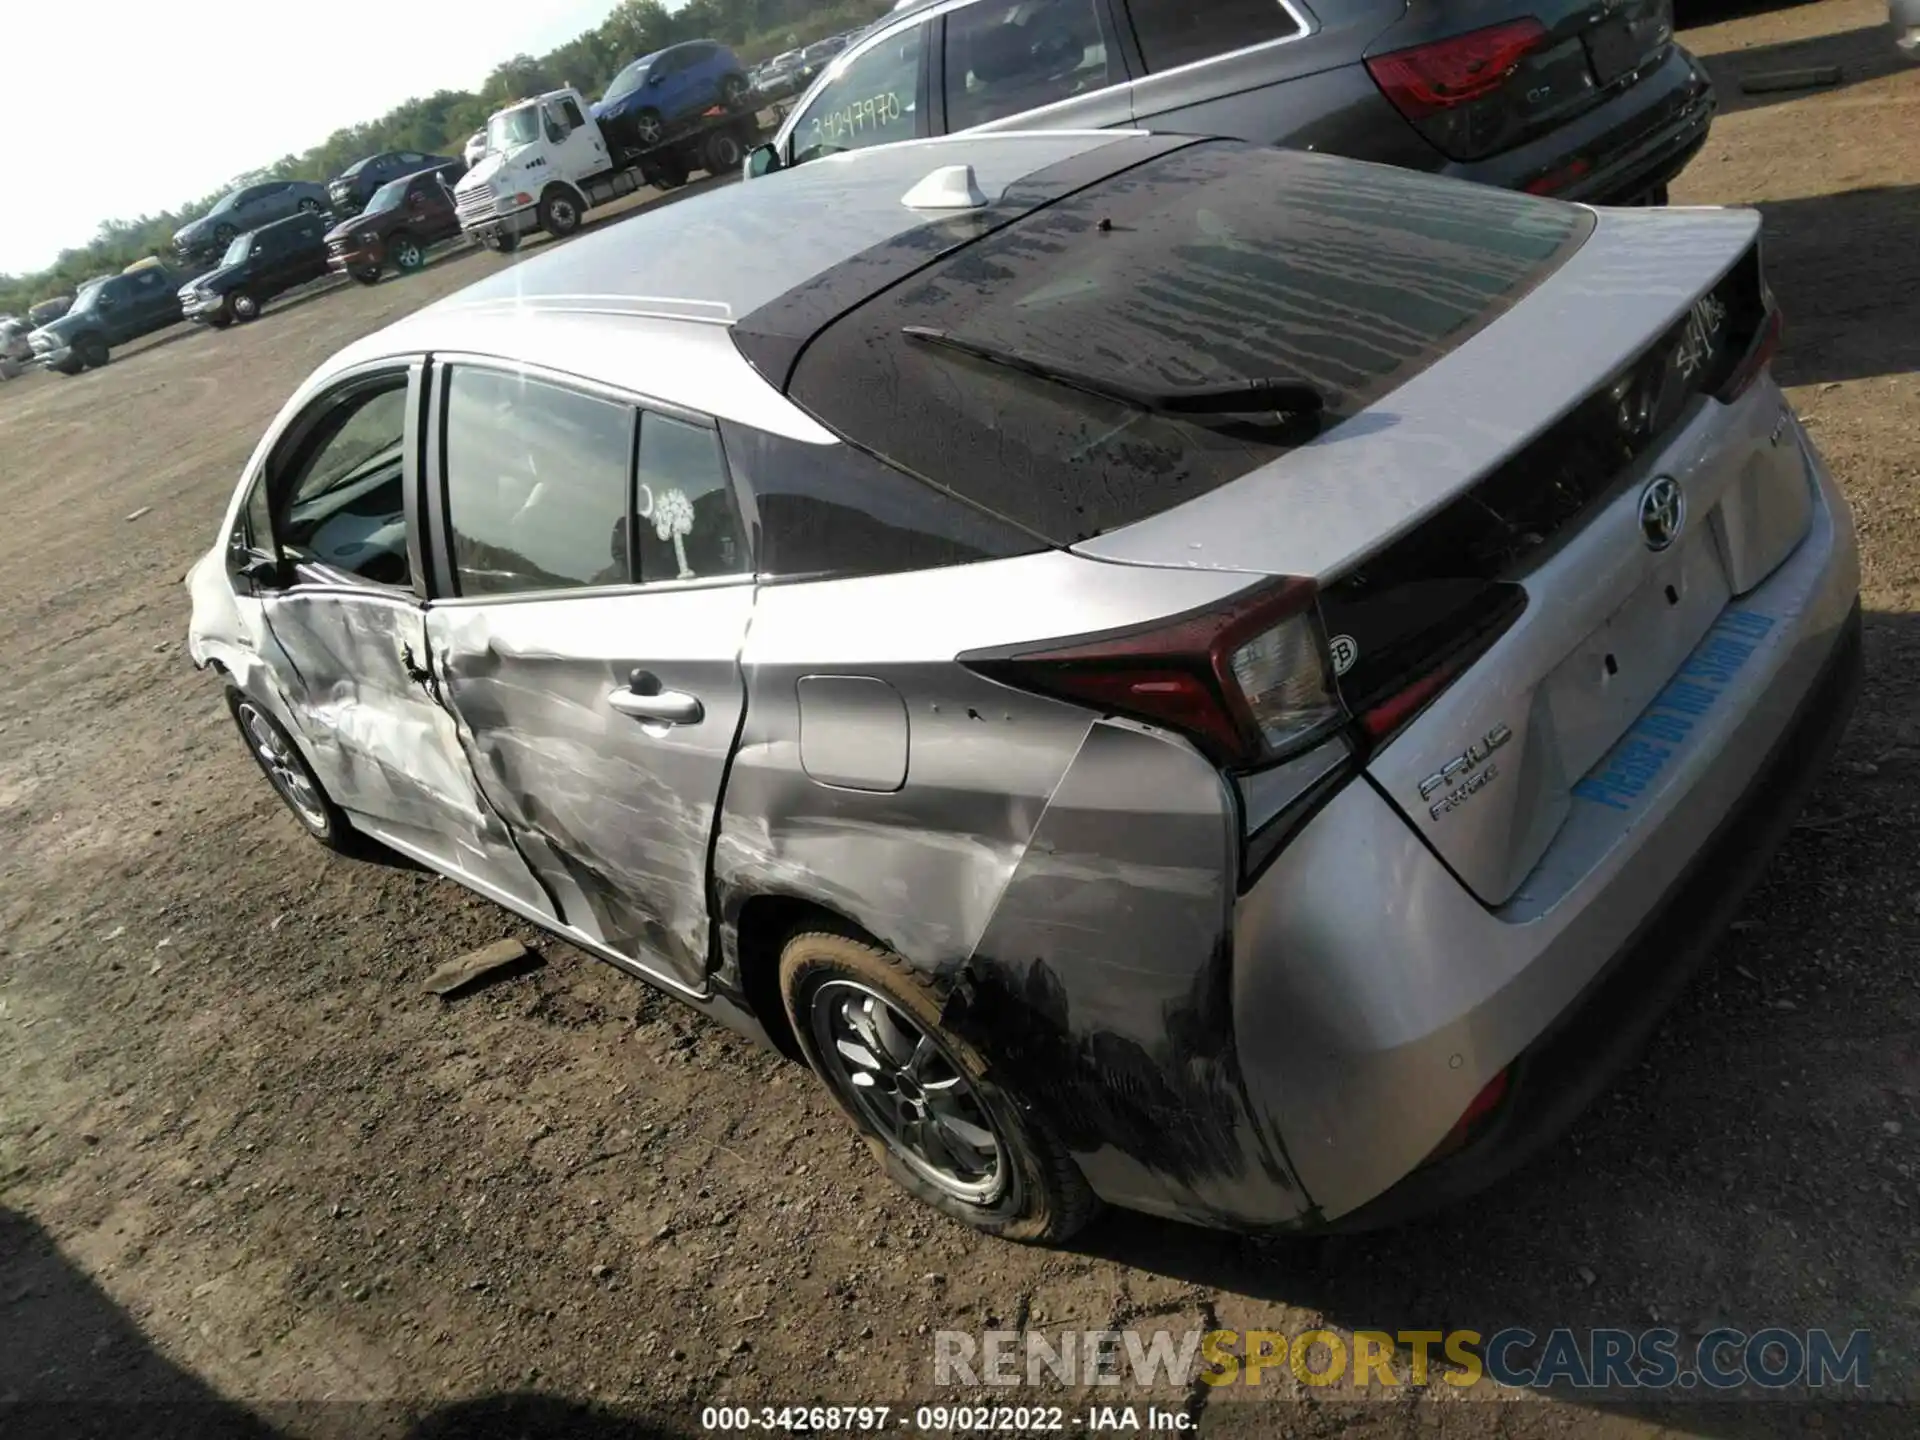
x=248, y=1165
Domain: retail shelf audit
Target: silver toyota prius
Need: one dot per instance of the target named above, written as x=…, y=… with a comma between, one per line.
x=1217, y=680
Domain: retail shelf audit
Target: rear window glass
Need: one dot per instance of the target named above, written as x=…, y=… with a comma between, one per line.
x=1214, y=265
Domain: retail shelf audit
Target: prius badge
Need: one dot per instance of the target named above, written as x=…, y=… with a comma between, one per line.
x=1663, y=512
x=1466, y=775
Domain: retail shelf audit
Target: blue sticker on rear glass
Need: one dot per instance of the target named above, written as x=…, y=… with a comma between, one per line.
x=1629, y=770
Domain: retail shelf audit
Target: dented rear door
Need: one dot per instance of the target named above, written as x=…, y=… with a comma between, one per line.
x=589, y=645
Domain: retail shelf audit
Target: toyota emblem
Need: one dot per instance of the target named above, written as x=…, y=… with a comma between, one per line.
x=1663, y=512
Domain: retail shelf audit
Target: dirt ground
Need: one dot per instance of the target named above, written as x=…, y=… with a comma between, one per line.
x=248, y=1166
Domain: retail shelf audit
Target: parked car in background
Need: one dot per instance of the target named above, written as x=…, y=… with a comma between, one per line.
x=256, y=267
x=109, y=312
x=1904, y=17
x=247, y=208
x=43, y=312
x=816, y=56
x=476, y=148
x=15, y=351
x=660, y=95
x=1192, y=691
x=404, y=218
x=1585, y=102
x=350, y=190
x=779, y=77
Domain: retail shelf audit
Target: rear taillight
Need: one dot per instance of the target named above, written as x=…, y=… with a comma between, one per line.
x=1759, y=355
x=1247, y=681
x=1429, y=79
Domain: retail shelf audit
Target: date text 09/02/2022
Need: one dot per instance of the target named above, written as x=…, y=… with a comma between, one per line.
x=942, y=1419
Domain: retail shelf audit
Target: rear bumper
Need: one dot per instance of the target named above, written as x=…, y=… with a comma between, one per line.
x=1632, y=144
x=1566, y=1069
x=1374, y=997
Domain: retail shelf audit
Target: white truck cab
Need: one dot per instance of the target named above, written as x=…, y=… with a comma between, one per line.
x=544, y=157
x=548, y=163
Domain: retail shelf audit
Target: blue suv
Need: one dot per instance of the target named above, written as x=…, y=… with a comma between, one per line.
x=658, y=96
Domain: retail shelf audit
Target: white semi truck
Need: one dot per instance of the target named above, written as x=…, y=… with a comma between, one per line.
x=548, y=164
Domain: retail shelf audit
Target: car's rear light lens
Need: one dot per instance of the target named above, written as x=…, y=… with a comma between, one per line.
x=1759, y=355
x=1428, y=79
x=1246, y=681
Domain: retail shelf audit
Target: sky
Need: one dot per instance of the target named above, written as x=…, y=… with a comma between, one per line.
x=154, y=106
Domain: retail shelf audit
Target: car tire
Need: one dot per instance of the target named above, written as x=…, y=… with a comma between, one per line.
x=243, y=307
x=223, y=235
x=91, y=351
x=724, y=153
x=366, y=274
x=69, y=366
x=407, y=254
x=560, y=211
x=976, y=1154
x=220, y=319
x=504, y=242
x=735, y=91
x=292, y=779
x=649, y=128
x=309, y=206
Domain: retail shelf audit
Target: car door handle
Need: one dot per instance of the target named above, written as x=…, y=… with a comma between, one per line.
x=643, y=699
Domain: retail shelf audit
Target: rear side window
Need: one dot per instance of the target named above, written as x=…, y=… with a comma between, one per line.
x=873, y=102
x=831, y=511
x=1206, y=269
x=1180, y=32
x=688, y=528
x=1003, y=59
x=536, y=480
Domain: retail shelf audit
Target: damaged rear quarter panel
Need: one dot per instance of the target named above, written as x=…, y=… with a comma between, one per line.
x=1101, y=989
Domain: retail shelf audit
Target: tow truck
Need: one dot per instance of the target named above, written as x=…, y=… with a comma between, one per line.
x=549, y=164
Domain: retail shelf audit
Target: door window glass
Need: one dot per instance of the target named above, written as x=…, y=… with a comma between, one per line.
x=570, y=112
x=1179, y=32
x=344, y=503
x=1003, y=59
x=536, y=485
x=871, y=102
x=683, y=504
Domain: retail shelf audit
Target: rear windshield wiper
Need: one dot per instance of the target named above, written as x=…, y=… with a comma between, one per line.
x=1235, y=397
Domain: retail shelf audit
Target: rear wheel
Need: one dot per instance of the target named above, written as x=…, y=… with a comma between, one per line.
x=366, y=274
x=220, y=319
x=724, y=153
x=292, y=778
x=407, y=252
x=941, y=1126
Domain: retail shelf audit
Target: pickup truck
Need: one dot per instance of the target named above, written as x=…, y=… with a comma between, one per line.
x=548, y=163
x=108, y=312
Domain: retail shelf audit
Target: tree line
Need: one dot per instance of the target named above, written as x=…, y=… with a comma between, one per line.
x=440, y=123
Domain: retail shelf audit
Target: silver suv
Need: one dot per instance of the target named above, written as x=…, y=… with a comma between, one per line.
x=1211, y=678
x=1566, y=97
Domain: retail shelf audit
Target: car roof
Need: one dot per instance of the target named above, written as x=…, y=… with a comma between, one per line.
x=632, y=304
